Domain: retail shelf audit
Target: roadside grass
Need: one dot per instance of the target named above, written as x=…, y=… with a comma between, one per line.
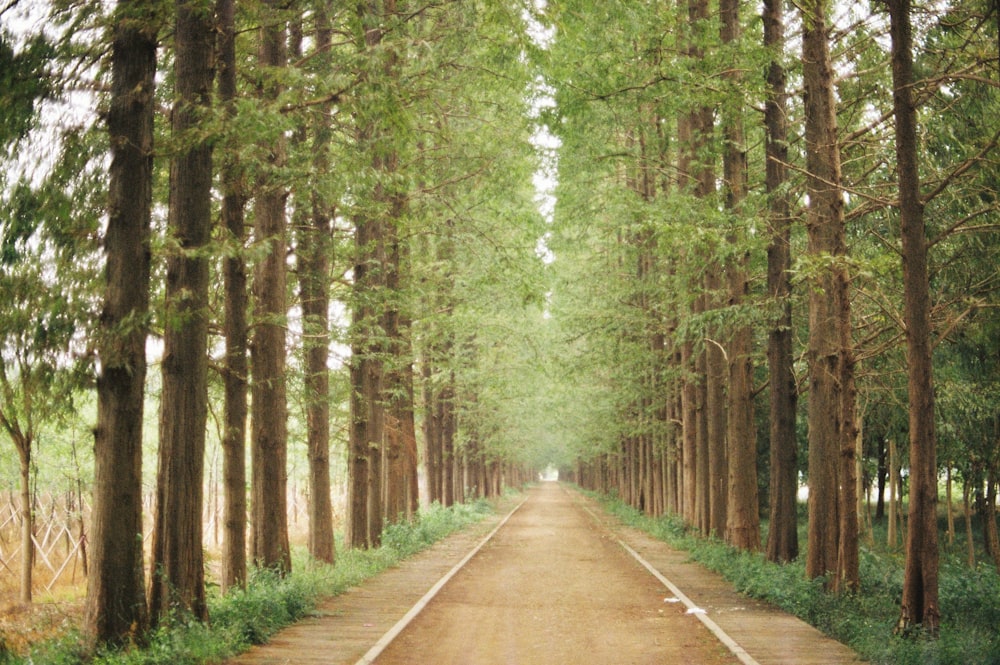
x=245, y=617
x=969, y=597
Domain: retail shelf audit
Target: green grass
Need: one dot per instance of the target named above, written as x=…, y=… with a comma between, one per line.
x=969, y=597
x=269, y=602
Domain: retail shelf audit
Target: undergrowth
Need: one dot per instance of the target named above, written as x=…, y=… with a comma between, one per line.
x=242, y=618
x=969, y=597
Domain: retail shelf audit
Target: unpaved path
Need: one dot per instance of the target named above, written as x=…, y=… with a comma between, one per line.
x=555, y=585
x=552, y=587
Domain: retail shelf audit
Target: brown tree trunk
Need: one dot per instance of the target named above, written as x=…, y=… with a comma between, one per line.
x=432, y=433
x=399, y=377
x=782, y=537
x=717, y=444
x=991, y=536
x=268, y=399
x=446, y=405
x=970, y=544
x=742, y=528
x=829, y=310
x=920, y=577
x=892, y=534
x=313, y=256
x=234, y=534
x=116, y=596
x=24, y=444
x=177, y=559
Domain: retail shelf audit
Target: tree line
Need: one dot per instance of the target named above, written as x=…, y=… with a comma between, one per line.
x=322, y=212
x=776, y=234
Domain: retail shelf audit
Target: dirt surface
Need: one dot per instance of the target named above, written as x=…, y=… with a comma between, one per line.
x=553, y=587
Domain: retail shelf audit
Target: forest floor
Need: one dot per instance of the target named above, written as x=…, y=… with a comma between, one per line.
x=554, y=584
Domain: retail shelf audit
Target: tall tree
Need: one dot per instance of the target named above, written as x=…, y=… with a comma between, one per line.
x=235, y=373
x=313, y=263
x=782, y=535
x=116, y=596
x=832, y=547
x=364, y=522
x=920, y=581
x=178, y=570
x=268, y=398
x=34, y=331
x=743, y=513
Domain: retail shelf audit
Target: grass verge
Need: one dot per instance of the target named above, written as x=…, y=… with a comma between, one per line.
x=969, y=597
x=269, y=602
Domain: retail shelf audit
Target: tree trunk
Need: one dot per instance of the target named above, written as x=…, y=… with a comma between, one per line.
x=970, y=545
x=742, y=527
x=178, y=579
x=991, y=536
x=268, y=399
x=829, y=311
x=116, y=597
x=920, y=577
x=399, y=378
x=234, y=535
x=717, y=488
x=24, y=444
x=892, y=534
x=782, y=537
x=312, y=253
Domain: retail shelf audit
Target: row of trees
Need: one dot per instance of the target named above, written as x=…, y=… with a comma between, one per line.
x=784, y=208
x=336, y=195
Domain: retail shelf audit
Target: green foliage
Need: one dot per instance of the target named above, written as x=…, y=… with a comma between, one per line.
x=432, y=524
x=24, y=83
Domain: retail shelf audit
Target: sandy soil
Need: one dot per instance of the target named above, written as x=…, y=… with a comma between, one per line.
x=553, y=587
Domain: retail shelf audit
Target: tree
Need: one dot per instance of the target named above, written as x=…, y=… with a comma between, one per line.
x=782, y=536
x=920, y=581
x=236, y=369
x=37, y=372
x=37, y=324
x=833, y=544
x=116, y=597
x=269, y=407
x=743, y=513
x=178, y=570
x=313, y=263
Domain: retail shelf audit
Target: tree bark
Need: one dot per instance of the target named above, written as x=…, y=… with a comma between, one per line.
x=235, y=384
x=268, y=399
x=742, y=528
x=829, y=353
x=920, y=577
x=178, y=577
x=782, y=537
x=116, y=597
x=313, y=256
x=23, y=444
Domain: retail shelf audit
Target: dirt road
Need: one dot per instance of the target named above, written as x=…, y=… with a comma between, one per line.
x=554, y=587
